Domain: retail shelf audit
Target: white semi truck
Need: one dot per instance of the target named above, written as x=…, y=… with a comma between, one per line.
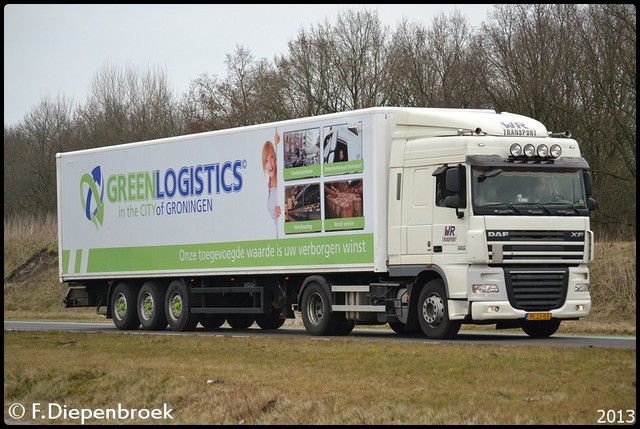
x=423, y=219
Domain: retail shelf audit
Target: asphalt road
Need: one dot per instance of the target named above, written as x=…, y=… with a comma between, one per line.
x=503, y=338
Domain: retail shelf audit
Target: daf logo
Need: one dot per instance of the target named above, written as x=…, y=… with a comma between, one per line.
x=498, y=233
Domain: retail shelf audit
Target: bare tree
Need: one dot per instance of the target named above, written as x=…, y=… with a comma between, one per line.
x=253, y=92
x=30, y=151
x=358, y=61
x=435, y=66
x=201, y=106
x=531, y=54
x=124, y=106
x=570, y=66
x=607, y=82
x=308, y=74
x=573, y=68
x=333, y=68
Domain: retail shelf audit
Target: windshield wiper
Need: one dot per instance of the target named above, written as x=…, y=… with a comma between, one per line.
x=571, y=206
x=494, y=205
x=540, y=205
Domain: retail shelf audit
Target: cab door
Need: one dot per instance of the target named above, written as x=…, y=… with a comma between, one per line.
x=417, y=212
x=450, y=225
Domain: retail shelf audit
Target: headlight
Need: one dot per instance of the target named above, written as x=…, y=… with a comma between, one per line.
x=484, y=288
x=581, y=287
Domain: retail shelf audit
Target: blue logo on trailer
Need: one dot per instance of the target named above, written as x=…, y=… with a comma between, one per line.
x=92, y=194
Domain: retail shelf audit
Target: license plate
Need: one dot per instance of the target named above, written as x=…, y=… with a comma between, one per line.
x=538, y=316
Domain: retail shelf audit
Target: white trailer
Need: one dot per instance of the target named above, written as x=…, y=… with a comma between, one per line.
x=423, y=219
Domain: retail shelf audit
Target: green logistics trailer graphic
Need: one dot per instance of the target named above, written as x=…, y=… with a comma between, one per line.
x=227, y=194
x=421, y=219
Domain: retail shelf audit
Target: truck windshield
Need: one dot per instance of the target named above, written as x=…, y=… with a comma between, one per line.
x=507, y=191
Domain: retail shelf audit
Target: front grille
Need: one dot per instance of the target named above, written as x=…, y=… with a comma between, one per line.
x=522, y=247
x=537, y=289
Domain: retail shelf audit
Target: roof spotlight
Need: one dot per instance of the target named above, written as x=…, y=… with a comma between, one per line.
x=556, y=150
x=529, y=150
x=543, y=150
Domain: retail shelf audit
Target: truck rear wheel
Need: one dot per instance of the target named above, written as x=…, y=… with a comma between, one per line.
x=151, y=306
x=212, y=321
x=542, y=328
x=176, y=306
x=123, y=307
x=240, y=321
x=433, y=312
x=316, y=311
x=269, y=321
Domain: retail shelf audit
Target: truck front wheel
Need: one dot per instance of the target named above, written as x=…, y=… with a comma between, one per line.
x=345, y=327
x=542, y=328
x=176, y=306
x=316, y=311
x=123, y=306
x=151, y=306
x=433, y=313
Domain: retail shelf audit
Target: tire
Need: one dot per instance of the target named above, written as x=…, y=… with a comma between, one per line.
x=151, y=307
x=433, y=312
x=240, y=321
x=542, y=328
x=177, y=306
x=316, y=312
x=212, y=321
x=123, y=307
x=398, y=327
x=269, y=321
x=404, y=328
x=345, y=327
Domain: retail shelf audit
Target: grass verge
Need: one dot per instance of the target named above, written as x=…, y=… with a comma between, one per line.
x=266, y=380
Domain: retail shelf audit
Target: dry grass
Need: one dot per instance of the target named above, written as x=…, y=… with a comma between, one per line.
x=267, y=380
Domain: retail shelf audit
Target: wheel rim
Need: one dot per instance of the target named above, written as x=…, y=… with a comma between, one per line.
x=147, y=306
x=315, y=309
x=176, y=306
x=433, y=310
x=121, y=306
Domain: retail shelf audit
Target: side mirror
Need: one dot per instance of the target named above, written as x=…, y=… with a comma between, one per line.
x=453, y=180
x=591, y=204
x=587, y=182
x=452, y=201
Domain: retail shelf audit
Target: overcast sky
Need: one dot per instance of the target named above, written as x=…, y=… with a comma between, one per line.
x=56, y=50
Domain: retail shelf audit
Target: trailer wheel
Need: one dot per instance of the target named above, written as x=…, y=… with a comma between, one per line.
x=240, y=321
x=269, y=321
x=316, y=313
x=212, y=321
x=542, y=328
x=176, y=307
x=433, y=313
x=151, y=307
x=123, y=306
